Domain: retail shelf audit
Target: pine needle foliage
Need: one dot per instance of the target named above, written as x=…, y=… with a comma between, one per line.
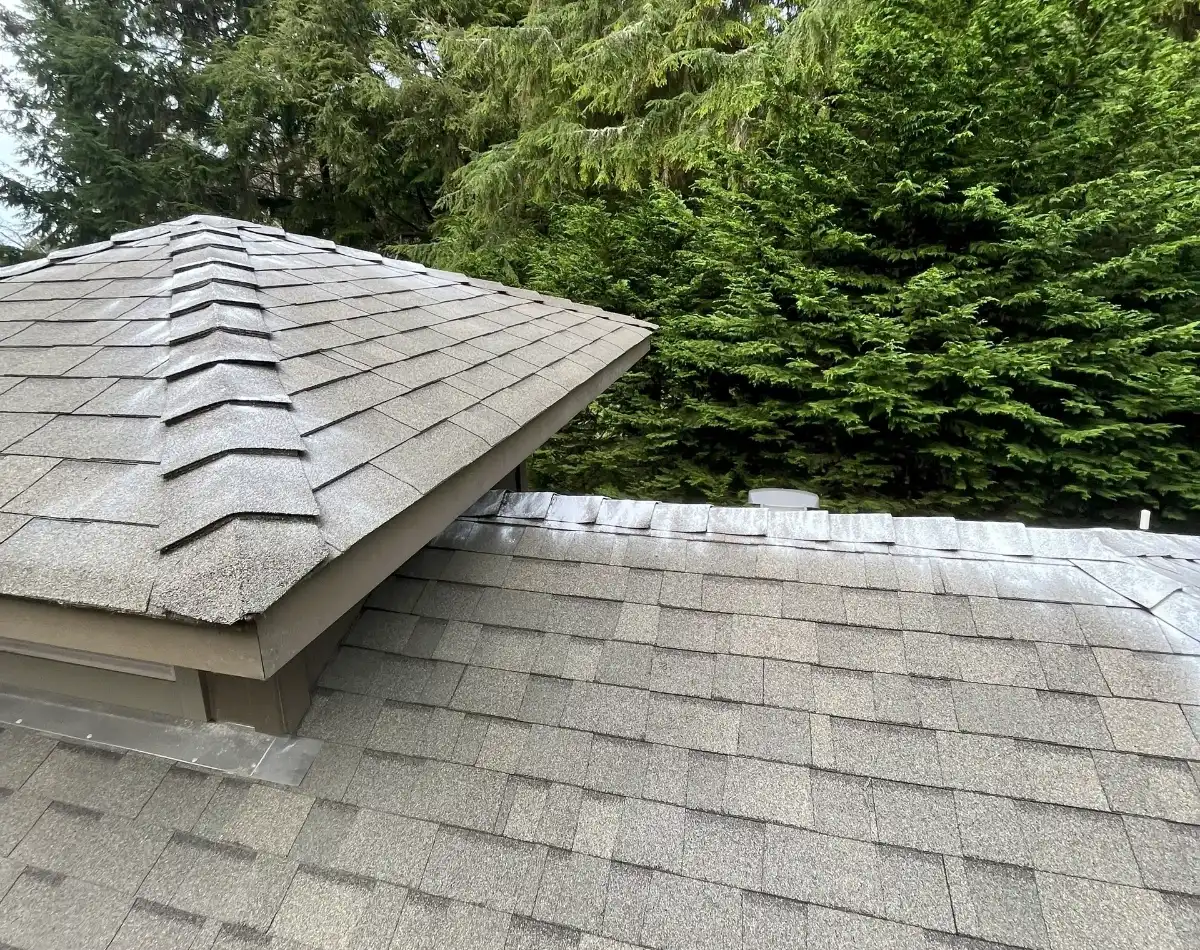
x=617, y=94
x=112, y=115
x=343, y=112
x=961, y=274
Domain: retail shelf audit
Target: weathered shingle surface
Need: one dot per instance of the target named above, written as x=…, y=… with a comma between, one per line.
x=548, y=732
x=173, y=381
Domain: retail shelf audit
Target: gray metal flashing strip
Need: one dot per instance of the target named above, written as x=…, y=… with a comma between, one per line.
x=218, y=747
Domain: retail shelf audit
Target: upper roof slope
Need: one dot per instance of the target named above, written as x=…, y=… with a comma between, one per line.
x=194, y=416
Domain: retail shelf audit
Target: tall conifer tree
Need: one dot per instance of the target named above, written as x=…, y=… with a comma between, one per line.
x=956, y=267
x=114, y=114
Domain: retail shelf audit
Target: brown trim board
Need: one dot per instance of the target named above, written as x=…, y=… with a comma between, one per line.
x=232, y=650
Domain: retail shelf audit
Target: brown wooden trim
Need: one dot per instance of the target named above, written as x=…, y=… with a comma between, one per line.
x=232, y=650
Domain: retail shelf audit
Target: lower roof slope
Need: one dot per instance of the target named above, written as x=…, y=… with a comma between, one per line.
x=196, y=415
x=579, y=724
x=1157, y=574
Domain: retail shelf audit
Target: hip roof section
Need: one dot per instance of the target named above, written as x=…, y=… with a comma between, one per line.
x=195, y=416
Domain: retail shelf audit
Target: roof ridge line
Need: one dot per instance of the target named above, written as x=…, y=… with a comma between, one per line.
x=865, y=532
x=231, y=448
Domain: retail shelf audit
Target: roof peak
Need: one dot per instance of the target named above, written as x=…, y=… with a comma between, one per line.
x=867, y=531
x=1156, y=572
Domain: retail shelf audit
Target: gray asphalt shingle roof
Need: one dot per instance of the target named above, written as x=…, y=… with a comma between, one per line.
x=553, y=730
x=179, y=389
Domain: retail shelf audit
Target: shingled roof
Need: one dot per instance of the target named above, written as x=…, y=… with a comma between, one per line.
x=583, y=724
x=1157, y=573
x=195, y=416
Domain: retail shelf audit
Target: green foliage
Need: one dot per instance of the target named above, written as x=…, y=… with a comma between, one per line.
x=114, y=119
x=921, y=255
x=332, y=117
x=614, y=94
x=963, y=278
x=343, y=112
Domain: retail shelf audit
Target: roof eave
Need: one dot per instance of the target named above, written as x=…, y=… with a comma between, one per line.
x=228, y=648
x=314, y=604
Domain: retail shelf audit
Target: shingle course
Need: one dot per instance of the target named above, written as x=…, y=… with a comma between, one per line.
x=196, y=314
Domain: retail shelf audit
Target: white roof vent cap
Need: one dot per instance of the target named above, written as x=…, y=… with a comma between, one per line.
x=789, y=499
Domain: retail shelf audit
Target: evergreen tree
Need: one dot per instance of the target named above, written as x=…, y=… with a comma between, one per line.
x=343, y=114
x=612, y=95
x=914, y=254
x=959, y=274
x=331, y=117
x=114, y=115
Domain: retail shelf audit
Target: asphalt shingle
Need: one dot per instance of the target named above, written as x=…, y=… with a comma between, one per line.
x=228, y=882
x=1150, y=728
x=92, y=846
x=19, y=812
x=713, y=913
x=996, y=902
x=1089, y=915
x=255, y=816
x=573, y=890
x=593, y=735
x=82, y=362
x=431, y=923
x=651, y=834
x=365, y=842
x=769, y=791
x=821, y=869
x=484, y=869
x=97, y=779
x=1143, y=785
x=46, y=911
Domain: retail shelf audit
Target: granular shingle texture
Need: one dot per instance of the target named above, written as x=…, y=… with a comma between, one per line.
x=534, y=738
x=247, y=375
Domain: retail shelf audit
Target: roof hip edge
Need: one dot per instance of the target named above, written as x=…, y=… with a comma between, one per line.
x=247, y=471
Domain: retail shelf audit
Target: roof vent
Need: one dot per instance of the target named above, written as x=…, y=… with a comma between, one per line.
x=788, y=499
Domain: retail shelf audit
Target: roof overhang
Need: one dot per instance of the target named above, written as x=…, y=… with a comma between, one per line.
x=216, y=437
x=219, y=649
x=258, y=648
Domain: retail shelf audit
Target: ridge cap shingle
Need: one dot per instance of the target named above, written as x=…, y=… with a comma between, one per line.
x=948, y=536
x=232, y=470
x=221, y=334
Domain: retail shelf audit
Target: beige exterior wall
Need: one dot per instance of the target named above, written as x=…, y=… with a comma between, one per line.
x=181, y=696
x=279, y=703
x=275, y=705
